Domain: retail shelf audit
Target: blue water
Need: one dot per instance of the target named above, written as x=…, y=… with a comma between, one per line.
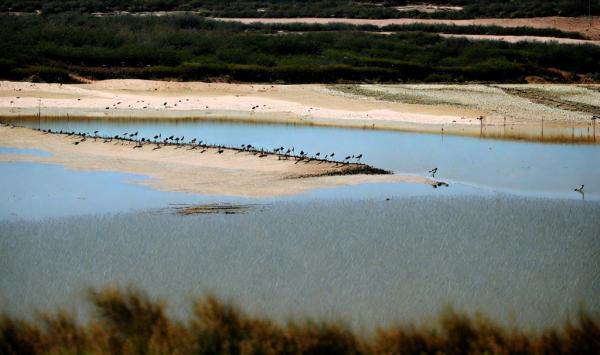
x=510, y=166
x=39, y=191
x=509, y=236
x=36, y=152
x=529, y=261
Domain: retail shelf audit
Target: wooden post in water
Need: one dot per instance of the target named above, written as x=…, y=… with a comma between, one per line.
x=542, y=127
x=480, y=118
x=594, y=118
x=39, y=113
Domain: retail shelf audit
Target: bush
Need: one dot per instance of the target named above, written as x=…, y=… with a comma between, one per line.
x=127, y=321
x=192, y=48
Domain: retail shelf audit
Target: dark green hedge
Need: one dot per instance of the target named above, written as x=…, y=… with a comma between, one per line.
x=314, y=8
x=190, y=48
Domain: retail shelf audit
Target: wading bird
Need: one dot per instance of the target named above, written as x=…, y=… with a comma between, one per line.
x=580, y=191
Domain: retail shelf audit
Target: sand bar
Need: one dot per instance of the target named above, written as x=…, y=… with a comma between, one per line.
x=178, y=168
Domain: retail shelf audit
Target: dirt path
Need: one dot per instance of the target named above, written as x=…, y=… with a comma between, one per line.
x=583, y=25
x=517, y=39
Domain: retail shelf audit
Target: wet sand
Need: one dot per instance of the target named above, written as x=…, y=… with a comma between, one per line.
x=181, y=169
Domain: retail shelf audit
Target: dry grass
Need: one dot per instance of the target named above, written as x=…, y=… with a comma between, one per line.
x=127, y=321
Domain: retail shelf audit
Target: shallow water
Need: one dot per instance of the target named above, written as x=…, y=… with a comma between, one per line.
x=518, y=167
x=509, y=237
x=370, y=261
x=36, y=152
x=39, y=191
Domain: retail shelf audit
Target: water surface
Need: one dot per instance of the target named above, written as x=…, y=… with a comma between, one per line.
x=512, y=166
x=371, y=261
x=509, y=237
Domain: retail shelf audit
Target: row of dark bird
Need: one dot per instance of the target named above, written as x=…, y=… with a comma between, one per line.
x=159, y=141
x=195, y=143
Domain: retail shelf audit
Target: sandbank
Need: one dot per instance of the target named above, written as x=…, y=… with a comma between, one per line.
x=181, y=169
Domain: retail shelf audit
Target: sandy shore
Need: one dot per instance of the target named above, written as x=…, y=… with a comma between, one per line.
x=308, y=104
x=583, y=25
x=181, y=169
x=451, y=109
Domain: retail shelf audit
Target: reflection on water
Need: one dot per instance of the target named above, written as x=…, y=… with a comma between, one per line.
x=374, y=261
x=542, y=169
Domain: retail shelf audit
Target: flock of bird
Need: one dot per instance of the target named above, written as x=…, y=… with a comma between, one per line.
x=159, y=141
x=283, y=153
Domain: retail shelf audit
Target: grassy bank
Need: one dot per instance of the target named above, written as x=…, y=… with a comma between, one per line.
x=50, y=48
x=127, y=321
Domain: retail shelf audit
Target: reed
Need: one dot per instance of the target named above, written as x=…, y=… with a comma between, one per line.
x=128, y=321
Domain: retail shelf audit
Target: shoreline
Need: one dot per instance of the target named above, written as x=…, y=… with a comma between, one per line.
x=513, y=112
x=525, y=132
x=212, y=170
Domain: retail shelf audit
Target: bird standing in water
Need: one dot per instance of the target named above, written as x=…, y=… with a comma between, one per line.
x=580, y=190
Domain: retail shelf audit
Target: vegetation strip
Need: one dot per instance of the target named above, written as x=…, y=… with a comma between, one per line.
x=52, y=48
x=128, y=321
x=318, y=8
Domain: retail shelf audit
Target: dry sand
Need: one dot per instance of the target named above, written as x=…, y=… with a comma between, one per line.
x=583, y=25
x=171, y=168
x=308, y=104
